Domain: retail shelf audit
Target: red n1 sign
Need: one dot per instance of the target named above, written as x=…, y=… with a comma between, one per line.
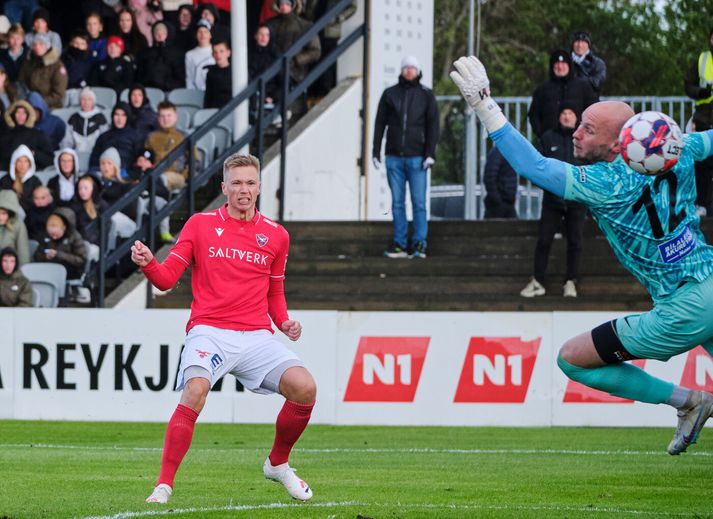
x=497, y=369
x=386, y=369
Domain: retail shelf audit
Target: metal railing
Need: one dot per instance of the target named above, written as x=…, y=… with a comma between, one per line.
x=255, y=133
x=448, y=175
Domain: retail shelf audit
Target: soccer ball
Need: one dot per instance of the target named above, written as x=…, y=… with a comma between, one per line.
x=651, y=143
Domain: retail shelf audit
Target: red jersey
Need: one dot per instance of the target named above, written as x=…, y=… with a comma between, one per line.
x=238, y=270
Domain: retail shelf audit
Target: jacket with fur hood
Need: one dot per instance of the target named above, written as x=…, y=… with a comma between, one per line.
x=70, y=248
x=14, y=233
x=48, y=123
x=15, y=288
x=46, y=75
x=38, y=142
x=29, y=180
x=61, y=187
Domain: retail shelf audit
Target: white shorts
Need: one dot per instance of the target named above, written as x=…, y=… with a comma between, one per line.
x=248, y=356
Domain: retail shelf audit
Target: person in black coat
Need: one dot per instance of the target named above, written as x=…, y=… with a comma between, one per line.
x=161, y=65
x=219, y=80
x=77, y=60
x=185, y=37
x=20, y=119
x=501, y=186
x=561, y=88
x=557, y=143
x=261, y=55
x=87, y=205
x=127, y=140
x=116, y=70
x=409, y=115
x=142, y=117
x=128, y=31
x=16, y=53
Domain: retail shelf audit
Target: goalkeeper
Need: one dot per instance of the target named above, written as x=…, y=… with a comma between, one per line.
x=651, y=223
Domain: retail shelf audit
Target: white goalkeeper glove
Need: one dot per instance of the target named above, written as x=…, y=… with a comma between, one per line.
x=472, y=81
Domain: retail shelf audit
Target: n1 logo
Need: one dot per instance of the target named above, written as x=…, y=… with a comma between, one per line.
x=497, y=369
x=698, y=372
x=577, y=393
x=386, y=369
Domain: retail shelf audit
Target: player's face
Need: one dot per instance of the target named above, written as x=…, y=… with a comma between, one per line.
x=242, y=187
x=593, y=139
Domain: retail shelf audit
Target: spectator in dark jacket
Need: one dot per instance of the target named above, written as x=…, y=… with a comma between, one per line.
x=16, y=52
x=557, y=143
x=8, y=93
x=586, y=64
x=20, y=119
x=501, y=186
x=42, y=207
x=185, y=38
x=261, y=55
x=77, y=60
x=97, y=41
x=161, y=65
x=15, y=288
x=561, y=88
x=116, y=71
x=44, y=73
x=61, y=243
x=63, y=186
x=134, y=41
x=87, y=205
x=219, y=81
x=409, y=111
x=209, y=12
x=51, y=125
x=286, y=28
x=142, y=116
x=121, y=135
x=21, y=177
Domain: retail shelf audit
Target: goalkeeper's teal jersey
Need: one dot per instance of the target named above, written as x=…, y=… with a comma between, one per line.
x=651, y=222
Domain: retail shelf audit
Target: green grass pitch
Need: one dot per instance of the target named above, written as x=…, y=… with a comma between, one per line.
x=77, y=470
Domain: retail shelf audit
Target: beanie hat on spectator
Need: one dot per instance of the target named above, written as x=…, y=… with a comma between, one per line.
x=113, y=155
x=582, y=36
x=43, y=14
x=158, y=24
x=560, y=55
x=88, y=92
x=410, y=61
x=116, y=40
x=569, y=105
x=42, y=37
x=203, y=23
x=284, y=2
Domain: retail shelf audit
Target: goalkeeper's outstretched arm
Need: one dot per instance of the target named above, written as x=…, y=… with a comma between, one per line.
x=472, y=80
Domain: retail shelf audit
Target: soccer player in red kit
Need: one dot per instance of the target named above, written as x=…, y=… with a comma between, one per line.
x=238, y=258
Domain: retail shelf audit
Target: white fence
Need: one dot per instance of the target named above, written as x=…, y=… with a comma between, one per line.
x=394, y=368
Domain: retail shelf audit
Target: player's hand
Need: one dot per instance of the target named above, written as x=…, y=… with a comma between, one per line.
x=472, y=80
x=140, y=254
x=293, y=329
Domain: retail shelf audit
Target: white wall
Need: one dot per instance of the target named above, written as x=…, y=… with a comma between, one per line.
x=322, y=177
x=397, y=368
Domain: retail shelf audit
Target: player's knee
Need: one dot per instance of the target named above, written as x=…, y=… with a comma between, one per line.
x=298, y=385
x=567, y=352
x=195, y=392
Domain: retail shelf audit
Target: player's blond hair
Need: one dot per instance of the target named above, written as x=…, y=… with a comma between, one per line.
x=238, y=160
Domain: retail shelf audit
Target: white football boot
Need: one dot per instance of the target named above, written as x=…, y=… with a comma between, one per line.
x=160, y=494
x=284, y=474
x=691, y=419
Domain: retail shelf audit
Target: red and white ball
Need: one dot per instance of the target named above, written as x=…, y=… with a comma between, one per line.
x=651, y=143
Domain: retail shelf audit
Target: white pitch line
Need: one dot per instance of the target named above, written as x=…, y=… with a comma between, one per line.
x=398, y=505
x=562, y=452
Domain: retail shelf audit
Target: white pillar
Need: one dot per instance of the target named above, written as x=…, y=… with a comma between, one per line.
x=239, y=45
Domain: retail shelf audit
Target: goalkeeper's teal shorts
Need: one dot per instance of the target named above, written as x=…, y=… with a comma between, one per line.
x=678, y=322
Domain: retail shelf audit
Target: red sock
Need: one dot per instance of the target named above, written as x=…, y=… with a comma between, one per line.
x=291, y=421
x=178, y=438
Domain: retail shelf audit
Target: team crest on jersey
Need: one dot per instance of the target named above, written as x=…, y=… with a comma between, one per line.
x=219, y=231
x=261, y=239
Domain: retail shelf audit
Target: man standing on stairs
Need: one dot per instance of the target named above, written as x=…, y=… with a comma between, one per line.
x=409, y=115
x=238, y=258
x=675, y=265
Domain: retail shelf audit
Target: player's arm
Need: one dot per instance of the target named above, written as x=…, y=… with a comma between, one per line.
x=550, y=174
x=276, y=303
x=161, y=275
